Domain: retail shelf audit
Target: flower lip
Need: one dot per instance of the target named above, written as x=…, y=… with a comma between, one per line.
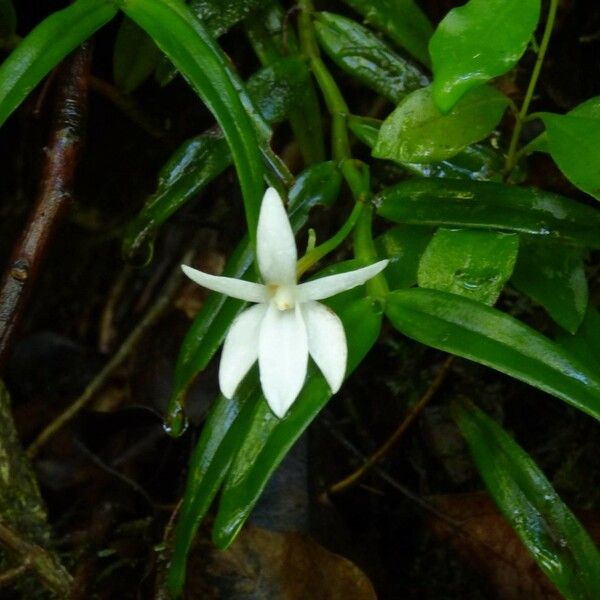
x=285, y=297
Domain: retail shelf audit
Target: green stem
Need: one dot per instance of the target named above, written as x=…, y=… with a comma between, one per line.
x=336, y=105
x=512, y=150
x=316, y=254
x=364, y=248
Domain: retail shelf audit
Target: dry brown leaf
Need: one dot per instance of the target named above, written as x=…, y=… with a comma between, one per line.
x=484, y=538
x=269, y=564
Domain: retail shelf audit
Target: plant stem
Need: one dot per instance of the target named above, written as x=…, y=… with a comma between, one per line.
x=336, y=105
x=364, y=248
x=316, y=254
x=511, y=157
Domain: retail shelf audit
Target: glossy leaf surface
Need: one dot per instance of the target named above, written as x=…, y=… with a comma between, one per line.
x=488, y=336
x=45, y=46
x=490, y=206
x=402, y=20
x=478, y=41
x=549, y=530
x=403, y=246
x=553, y=275
x=187, y=43
x=417, y=132
x=574, y=143
x=585, y=344
x=366, y=58
x=477, y=162
x=473, y=264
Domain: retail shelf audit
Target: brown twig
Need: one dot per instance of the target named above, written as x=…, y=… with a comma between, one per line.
x=54, y=197
x=410, y=416
x=52, y=574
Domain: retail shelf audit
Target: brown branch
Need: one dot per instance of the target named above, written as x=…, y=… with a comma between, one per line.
x=55, y=193
x=381, y=452
x=51, y=573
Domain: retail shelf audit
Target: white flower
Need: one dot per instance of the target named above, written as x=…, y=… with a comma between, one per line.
x=287, y=323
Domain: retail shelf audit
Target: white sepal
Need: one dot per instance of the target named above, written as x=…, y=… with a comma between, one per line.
x=236, y=288
x=275, y=243
x=326, y=342
x=282, y=357
x=240, y=350
x=317, y=289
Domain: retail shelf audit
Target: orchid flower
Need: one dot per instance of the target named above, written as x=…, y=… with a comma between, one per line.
x=287, y=323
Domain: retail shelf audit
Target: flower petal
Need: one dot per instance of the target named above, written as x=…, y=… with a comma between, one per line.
x=240, y=350
x=334, y=284
x=236, y=288
x=282, y=357
x=326, y=342
x=275, y=243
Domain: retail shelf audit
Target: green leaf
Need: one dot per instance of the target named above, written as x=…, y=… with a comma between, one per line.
x=585, y=344
x=473, y=264
x=135, y=56
x=488, y=336
x=574, y=143
x=490, y=206
x=417, y=132
x=477, y=162
x=553, y=275
x=270, y=439
x=186, y=42
x=403, y=246
x=45, y=46
x=552, y=534
x=243, y=427
x=479, y=41
x=366, y=58
x=8, y=20
x=402, y=20
x=218, y=17
x=318, y=185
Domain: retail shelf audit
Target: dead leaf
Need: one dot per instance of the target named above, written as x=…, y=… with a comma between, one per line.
x=270, y=564
x=483, y=537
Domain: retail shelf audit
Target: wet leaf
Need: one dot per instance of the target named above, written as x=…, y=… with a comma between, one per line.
x=574, y=142
x=553, y=275
x=490, y=337
x=417, y=132
x=402, y=20
x=366, y=58
x=478, y=41
x=490, y=206
x=549, y=530
x=473, y=264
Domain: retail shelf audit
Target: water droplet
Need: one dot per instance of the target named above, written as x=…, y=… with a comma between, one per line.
x=176, y=422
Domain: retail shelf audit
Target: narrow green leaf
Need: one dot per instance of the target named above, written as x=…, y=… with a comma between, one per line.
x=585, y=344
x=485, y=335
x=490, y=206
x=45, y=46
x=318, y=185
x=218, y=17
x=403, y=246
x=552, y=534
x=366, y=58
x=553, y=275
x=417, y=132
x=135, y=56
x=402, y=20
x=270, y=439
x=477, y=162
x=186, y=42
x=574, y=143
x=479, y=41
x=473, y=264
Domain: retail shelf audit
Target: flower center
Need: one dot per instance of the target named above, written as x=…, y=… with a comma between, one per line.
x=283, y=296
